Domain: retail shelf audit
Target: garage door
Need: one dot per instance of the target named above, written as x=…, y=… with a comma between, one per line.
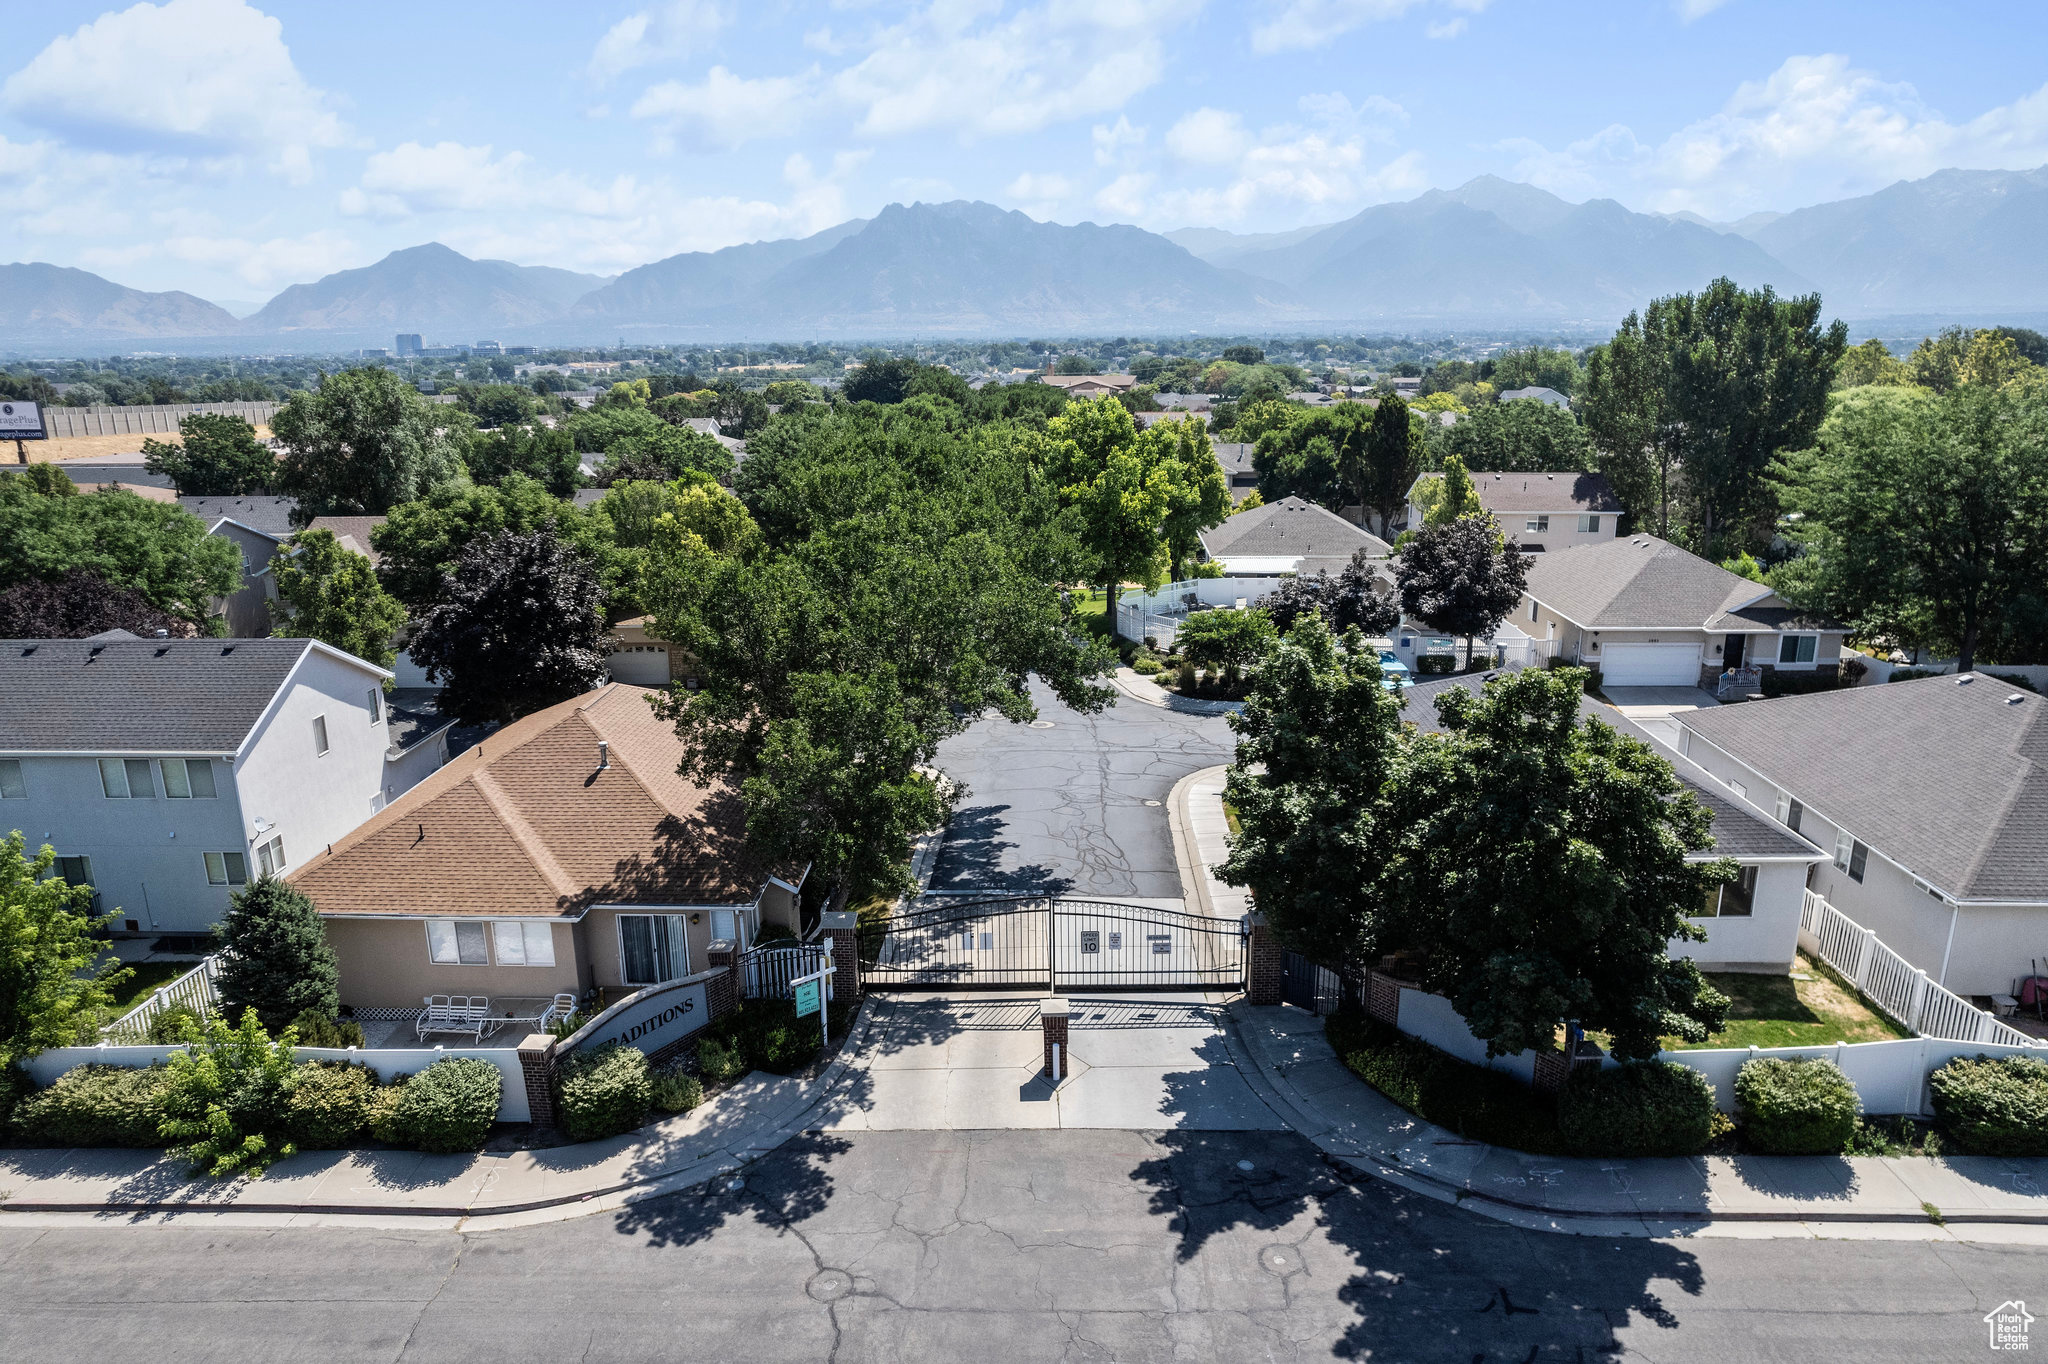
x=640, y=665
x=1650, y=665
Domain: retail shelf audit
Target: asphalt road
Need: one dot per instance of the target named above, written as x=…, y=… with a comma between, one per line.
x=1032, y=1246
x=1063, y=806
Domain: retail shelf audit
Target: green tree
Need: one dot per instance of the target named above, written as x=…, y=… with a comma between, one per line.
x=422, y=541
x=1197, y=497
x=545, y=455
x=1356, y=599
x=661, y=453
x=1925, y=519
x=1537, y=868
x=216, y=455
x=1458, y=578
x=1071, y=363
x=1389, y=460
x=225, y=1101
x=275, y=960
x=514, y=629
x=1450, y=496
x=1522, y=436
x=331, y=594
x=1119, y=489
x=77, y=604
x=364, y=442
x=497, y=404
x=1536, y=367
x=54, y=978
x=1871, y=363
x=1317, y=454
x=155, y=548
x=1622, y=407
x=1230, y=640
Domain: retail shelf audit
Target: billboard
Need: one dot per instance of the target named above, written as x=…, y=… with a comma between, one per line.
x=20, y=421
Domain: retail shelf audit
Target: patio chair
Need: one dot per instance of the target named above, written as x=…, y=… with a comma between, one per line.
x=454, y=1013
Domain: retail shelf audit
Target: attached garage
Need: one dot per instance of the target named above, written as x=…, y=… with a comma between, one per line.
x=1650, y=665
x=640, y=665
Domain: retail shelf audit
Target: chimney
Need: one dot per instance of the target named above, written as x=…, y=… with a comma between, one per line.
x=604, y=755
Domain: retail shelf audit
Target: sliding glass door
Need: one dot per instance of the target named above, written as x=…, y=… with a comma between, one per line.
x=653, y=948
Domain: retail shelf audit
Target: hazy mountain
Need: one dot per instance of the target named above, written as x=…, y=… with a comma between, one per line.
x=1219, y=247
x=1495, y=249
x=697, y=280
x=1959, y=240
x=42, y=302
x=428, y=289
x=955, y=267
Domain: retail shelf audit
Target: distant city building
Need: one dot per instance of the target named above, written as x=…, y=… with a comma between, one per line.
x=488, y=348
x=373, y=353
x=444, y=352
x=521, y=350
x=409, y=343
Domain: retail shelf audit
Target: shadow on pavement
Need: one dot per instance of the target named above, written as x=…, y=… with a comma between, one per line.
x=971, y=859
x=779, y=1194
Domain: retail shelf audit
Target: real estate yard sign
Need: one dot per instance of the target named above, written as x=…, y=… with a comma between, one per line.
x=810, y=999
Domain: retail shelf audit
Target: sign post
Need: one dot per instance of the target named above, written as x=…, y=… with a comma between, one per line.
x=21, y=421
x=810, y=999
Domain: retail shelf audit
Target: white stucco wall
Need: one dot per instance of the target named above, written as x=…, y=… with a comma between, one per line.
x=1767, y=938
x=289, y=789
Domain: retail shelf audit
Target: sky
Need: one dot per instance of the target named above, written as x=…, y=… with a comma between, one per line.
x=230, y=148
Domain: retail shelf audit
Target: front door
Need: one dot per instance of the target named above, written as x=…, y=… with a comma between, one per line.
x=1731, y=657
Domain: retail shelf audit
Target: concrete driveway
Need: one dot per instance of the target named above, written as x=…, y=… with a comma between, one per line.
x=1652, y=709
x=1074, y=804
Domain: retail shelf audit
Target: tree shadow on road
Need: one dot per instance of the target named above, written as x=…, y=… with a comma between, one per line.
x=971, y=859
x=787, y=1187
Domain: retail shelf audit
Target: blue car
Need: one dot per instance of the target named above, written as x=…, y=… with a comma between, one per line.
x=1395, y=671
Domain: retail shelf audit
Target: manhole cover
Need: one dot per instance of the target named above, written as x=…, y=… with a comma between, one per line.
x=1041, y=724
x=1151, y=802
x=1280, y=1260
x=828, y=1285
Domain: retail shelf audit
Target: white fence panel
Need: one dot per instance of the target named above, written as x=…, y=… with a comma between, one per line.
x=1433, y=1019
x=194, y=990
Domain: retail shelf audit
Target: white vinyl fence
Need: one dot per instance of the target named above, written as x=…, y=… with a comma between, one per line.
x=768, y=972
x=194, y=990
x=1894, y=984
x=1160, y=614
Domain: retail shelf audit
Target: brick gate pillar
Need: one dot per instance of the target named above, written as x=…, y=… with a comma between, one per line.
x=841, y=932
x=537, y=1067
x=722, y=991
x=1263, y=967
x=1052, y=1019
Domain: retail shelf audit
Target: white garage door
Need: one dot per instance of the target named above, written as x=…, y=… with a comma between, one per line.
x=1650, y=665
x=640, y=665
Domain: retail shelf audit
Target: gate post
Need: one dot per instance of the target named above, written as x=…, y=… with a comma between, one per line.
x=537, y=1068
x=841, y=932
x=1263, y=966
x=722, y=992
x=1052, y=1020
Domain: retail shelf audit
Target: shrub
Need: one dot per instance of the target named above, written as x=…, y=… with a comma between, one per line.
x=329, y=1105
x=772, y=934
x=96, y=1106
x=167, y=1028
x=720, y=1061
x=1796, y=1108
x=1914, y=674
x=226, y=1100
x=15, y=1085
x=275, y=958
x=1778, y=683
x=1472, y=1101
x=1648, y=1108
x=320, y=1030
x=602, y=1092
x=2014, y=680
x=1185, y=679
x=1436, y=663
x=380, y=1110
x=768, y=1036
x=1147, y=666
x=675, y=1090
x=447, y=1107
x=1995, y=1107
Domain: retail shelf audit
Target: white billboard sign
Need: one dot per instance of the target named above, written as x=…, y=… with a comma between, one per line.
x=20, y=421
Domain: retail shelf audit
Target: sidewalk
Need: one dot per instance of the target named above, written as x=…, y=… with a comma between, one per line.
x=1141, y=688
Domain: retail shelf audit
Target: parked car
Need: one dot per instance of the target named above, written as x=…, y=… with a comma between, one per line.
x=1395, y=671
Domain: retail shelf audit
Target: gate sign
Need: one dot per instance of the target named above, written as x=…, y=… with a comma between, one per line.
x=20, y=421
x=649, y=1020
x=810, y=996
x=1091, y=942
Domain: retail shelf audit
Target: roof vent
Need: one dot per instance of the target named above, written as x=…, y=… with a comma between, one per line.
x=604, y=755
x=2014, y=699
x=29, y=650
x=161, y=652
x=1965, y=680
x=95, y=651
x=226, y=649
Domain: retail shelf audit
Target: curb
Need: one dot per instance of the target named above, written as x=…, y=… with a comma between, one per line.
x=1126, y=681
x=1194, y=885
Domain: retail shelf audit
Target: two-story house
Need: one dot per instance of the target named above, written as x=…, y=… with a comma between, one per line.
x=1542, y=512
x=257, y=526
x=1649, y=614
x=1931, y=796
x=167, y=773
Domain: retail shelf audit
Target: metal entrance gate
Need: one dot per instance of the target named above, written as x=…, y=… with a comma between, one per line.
x=1050, y=943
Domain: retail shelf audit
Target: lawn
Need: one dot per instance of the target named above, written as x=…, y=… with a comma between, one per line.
x=146, y=976
x=1812, y=1007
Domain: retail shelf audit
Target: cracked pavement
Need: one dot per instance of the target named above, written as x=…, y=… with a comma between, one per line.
x=1033, y=1246
x=1063, y=808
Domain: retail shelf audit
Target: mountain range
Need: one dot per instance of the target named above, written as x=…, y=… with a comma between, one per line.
x=1488, y=252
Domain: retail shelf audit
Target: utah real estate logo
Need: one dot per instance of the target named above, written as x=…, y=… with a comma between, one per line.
x=2008, y=1324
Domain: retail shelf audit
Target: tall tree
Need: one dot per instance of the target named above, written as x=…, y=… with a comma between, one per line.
x=422, y=541
x=1450, y=496
x=1230, y=640
x=1459, y=578
x=1389, y=460
x=365, y=441
x=1356, y=599
x=1522, y=436
x=1197, y=496
x=216, y=455
x=155, y=548
x=1622, y=404
x=275, y=958
x=1925, y=519
x=80, y=603
x=514, y=629
x=332, y=594
x=546, y=455
x=54, y=977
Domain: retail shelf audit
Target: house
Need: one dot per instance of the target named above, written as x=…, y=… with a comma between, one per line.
x=563, y=853
x=1288, y=536
x=1542, y=511
x=1647, y=613
x=641, y=658
x=1536, y=393
x=1752, y=923
x=1186, y=402
x=1932, y=796
x=1090, y=385
x=168, y=772
x=256, y=526
x=1240, y=476
x=353, y=532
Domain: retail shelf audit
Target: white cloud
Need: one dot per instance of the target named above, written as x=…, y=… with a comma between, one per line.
x=1816, y=129
x=724, y=110
x=1447, y=28
x=1311, y=23
x=1036, y=185
x=1689, y=10
x=1113, y=142
x=660, y=33
x=1210, y=137
x=204, y=78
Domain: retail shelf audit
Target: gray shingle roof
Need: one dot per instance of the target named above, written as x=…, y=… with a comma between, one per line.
x=145, y=696
x=1739, y=832
x=1545, y=493
x=1290, y=527
x=1236, y=459
x=1639, y=582
x=1949, y=780
x=271, y=515
x=1539, y=393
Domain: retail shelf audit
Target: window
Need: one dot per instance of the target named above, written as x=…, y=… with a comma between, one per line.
x=270, y=856
x=1538, y=525
x=457, y=942
x=319, y=734
x=1738, y=897
x=126, y=778
x=1851, y=856
x=1790, y=812
x=185, y=778
x=1738, y=788
x=524, y=943
x=653, y=948
x=10, y=780
x=1857, y=858
x=1797, y=648
x=376, y=705
x=1532, y=608
x=731, y=926
x=1589, y=525
x=77, y=871
x=227, y=869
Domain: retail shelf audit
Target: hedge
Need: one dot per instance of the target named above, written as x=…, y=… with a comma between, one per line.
x=1645, y=1108
x=1794, y=1107
x=1994, y=1107
x=97, y=1105
x=329, y=1105
x=674, y=1090
x=1436, y=663
x=1481, y=1104
x=447, y=1107
x=1776, y=683
x=602, y=1092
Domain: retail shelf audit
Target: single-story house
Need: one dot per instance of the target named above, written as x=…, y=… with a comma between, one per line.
x=1752, y=924
x=1647, y=613
x=1536, y=393
x=1932, y=796
x=1090, y=385
x=1288, y=536
x=256, y=526
x=561, y=854
x=1239, y=475
x=1542, y=512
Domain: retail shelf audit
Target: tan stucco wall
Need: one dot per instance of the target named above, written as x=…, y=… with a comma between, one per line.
x=384, y=965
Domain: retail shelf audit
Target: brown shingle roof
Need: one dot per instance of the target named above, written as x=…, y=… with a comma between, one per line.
x=352, y=531
x=526, y=824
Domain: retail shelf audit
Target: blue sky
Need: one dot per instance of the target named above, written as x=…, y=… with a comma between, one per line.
x=231, y=148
